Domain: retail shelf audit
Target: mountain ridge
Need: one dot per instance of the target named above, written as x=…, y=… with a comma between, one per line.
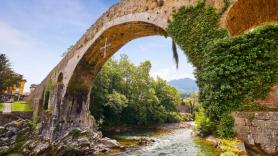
x=184, y=85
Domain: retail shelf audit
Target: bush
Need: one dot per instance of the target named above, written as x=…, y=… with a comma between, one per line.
x=75, y=132
x=231, y=145
x=251, y=106
x=228, y=154
x=174, y=117
x=224, y=129
x=204, y=126
x=186, y=116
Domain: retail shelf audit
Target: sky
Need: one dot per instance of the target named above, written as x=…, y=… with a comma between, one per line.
x=35, y=33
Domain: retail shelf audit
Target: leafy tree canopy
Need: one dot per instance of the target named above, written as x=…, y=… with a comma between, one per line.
x=125, y=94
x=7, y=76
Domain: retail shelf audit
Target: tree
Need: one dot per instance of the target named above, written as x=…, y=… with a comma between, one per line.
x=125, y=94
x=167, y=94
x=7, y=76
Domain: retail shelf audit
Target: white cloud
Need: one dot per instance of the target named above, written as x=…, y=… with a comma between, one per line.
x=34, y=35
x=26, y=54
x=12, y=39
x=172, y=73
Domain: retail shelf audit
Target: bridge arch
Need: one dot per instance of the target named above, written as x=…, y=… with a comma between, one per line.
x=122, y=23
x=80, y=84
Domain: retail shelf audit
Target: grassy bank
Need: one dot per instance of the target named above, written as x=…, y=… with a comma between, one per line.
x=21, y=106
x=1, y=107
x=222, y=147
x=206, y=148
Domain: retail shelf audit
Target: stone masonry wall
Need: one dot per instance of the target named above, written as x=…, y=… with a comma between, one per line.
x=245, y=14
x=258, y=130
x=6, y=118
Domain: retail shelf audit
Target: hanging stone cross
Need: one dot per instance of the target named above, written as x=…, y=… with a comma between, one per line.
x=104, y=49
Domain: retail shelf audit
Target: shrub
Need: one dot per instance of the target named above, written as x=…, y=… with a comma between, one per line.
x=204, y=126
x=224, y=129
x=228, y=154
x=248, y=105
x=230, y=145
x=75, y=132
x=174, y=117
x=186, y=116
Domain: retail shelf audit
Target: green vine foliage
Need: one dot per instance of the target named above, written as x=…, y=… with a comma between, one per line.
x=224, y=128
x=229, y=71
x=193, y=28
x=240, y=68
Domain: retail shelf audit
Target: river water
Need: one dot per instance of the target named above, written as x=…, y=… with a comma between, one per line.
x=175, y=143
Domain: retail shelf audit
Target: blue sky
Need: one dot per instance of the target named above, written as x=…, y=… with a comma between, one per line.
x=35, y=33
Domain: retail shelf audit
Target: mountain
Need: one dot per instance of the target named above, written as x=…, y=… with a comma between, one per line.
x=185, y=85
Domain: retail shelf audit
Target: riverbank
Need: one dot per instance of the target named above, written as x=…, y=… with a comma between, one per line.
x=165, y=126
x=167, y=139
x=21, y=138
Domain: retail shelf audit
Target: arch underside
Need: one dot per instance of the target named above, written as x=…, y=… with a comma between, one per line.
x=74, y=110
x=245, y=14
x=116, y=36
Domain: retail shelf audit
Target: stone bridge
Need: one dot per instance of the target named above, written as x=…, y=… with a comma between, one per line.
x=61, y=102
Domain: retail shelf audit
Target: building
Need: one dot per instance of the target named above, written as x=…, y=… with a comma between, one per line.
x=15, y=92
x=16, y=88
x=33, y=87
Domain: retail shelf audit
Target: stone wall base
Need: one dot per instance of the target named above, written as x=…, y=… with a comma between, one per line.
x=6, y=118
x=258, y=130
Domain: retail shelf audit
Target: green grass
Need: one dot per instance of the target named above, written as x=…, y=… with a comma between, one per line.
x=205, y=148
x=21, y=106
x=1, y=107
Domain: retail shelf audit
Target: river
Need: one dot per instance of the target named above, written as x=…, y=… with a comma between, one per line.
x=177, y=142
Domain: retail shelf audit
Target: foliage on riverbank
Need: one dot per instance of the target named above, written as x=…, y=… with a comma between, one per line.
x=206, y=148
x=230, y=146
x=228, y=70
x=203, y=125
x=222, y=147
x=125, y=94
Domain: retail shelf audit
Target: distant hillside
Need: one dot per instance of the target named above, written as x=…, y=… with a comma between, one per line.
x=185, y=85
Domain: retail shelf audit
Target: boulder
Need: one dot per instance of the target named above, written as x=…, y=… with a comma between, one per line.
x=2, y=130
x=213, y=140
x=110, y=143
x=4, y=149
x=85, y=143
x=145, y=141
x=40, y=148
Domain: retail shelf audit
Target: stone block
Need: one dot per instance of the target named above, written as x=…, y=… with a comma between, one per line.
x=240, y=121
x=262, y=132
